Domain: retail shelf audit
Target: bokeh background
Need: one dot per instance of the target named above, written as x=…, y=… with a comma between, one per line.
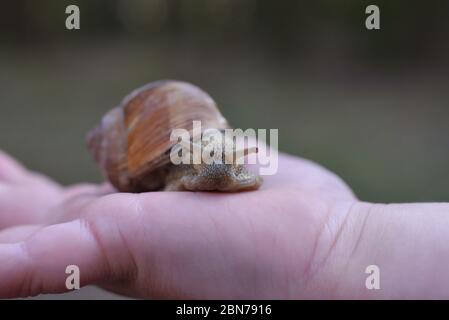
x=373, y=106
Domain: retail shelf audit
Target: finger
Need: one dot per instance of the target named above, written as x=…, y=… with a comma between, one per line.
x=77, y=197
x=87, y=188
x=38, y=265
x=306, y=175
x=10, y=169
x=28, y=203
x=19, y=233
x=286, y=171
x=72, y=208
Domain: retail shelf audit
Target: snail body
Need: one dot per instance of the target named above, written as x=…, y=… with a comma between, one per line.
x=132, y=142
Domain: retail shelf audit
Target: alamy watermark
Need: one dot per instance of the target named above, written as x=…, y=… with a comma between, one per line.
x=72, y=282
x=372, y=22
x=372, y=282
x=228, y=146
x=72, y=22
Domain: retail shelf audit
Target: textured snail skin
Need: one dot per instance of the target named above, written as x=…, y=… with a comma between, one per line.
x=132, y=142
x=212, y=177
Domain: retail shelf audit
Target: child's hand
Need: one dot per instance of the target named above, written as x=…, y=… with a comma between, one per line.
x=303, y=234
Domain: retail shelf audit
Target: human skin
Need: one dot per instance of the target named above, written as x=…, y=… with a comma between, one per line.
x=302, y=235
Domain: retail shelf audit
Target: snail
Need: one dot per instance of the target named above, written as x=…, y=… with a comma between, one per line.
x=132, y=142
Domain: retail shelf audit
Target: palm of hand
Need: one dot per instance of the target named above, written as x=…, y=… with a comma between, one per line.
x=261, y=244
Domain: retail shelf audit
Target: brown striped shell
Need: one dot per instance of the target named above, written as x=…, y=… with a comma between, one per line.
x=132, y=142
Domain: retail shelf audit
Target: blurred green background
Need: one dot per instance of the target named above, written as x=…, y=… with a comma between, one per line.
x=373, y=106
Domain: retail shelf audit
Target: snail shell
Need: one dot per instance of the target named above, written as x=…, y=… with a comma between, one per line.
x=132, y=142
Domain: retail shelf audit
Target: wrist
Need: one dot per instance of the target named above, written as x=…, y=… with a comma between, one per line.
x=331, y=272
x=408, y=243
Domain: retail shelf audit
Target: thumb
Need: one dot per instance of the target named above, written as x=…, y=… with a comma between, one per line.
x=39, y=264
